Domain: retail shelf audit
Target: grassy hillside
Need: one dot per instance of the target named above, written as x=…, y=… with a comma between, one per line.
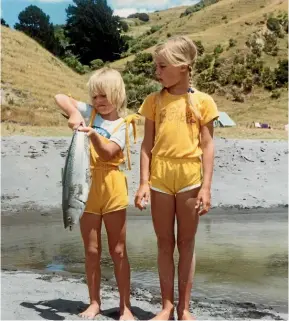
x=216, y=25
x=31, y=76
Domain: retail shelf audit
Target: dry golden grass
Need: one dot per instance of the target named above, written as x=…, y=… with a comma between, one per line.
x=31, y=77
x=163, y=17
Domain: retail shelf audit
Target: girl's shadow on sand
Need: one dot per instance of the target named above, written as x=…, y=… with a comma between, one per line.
x=49, y=310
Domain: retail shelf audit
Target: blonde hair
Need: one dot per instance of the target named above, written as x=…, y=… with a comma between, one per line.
x=108, y=81
x=180, y=51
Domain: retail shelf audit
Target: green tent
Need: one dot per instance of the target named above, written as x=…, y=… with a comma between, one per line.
x=224, y=120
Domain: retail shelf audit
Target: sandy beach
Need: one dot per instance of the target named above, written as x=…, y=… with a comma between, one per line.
x=250, y=175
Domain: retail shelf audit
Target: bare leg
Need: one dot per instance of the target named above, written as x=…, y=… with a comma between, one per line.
x=90, y=226
x=188, y=220
x=163, y=215
x=115, y=224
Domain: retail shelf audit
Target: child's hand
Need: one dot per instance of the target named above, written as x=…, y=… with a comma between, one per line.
x=89, y=130
x=142, y=196
x=75, y=120
x=203, y=203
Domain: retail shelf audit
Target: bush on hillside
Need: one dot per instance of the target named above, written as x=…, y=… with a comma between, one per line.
x=270, y=46
x=137, y=88
x=137, y=45
x=141, y=16
x=238, y=74
x=197, y=7
x=204, y=62
x=142, y=64
x=256, y=44
x=268, y=79
x=96, y=64
x=154, y=29
x=283, y=20
x=200, y=47
x=218, y=49
x=237, y=94
x=247, y=84
x=232, y=43
x=281, y=73
x=124, y=26
x=73, y=62
x=239, y=59
x=274, y=26
x=254, y=64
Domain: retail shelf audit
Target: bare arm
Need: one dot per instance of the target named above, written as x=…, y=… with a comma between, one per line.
x=146, y=147
x=203, y=203
x=207, y=145
x=105, y=151
x=69, y=106
x=145, y=159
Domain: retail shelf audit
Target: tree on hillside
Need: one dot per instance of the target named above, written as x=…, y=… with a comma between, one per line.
x=3, y=23
x=59, y=33
x=93, y=31
x=36, y=24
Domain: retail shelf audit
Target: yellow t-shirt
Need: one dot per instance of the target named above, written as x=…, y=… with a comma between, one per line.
x=177, y=129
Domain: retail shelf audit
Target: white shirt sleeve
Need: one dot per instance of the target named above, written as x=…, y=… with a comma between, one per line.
x=85, y=110
x=119, y=136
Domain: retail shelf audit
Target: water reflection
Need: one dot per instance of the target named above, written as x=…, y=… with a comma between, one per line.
x=239, y=256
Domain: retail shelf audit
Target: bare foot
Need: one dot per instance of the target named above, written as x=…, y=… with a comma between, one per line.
x=90, y=312
x=125, y=315
x=185, y=315
x=166, y=314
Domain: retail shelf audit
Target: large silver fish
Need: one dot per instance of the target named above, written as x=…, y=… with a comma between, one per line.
x=76, y=179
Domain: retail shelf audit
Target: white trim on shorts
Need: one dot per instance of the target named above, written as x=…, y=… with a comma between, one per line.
x=185, y=189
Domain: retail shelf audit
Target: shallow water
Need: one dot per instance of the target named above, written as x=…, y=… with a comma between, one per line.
x=241, y=256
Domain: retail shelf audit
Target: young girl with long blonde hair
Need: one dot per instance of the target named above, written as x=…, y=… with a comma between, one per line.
x=108, y=198
x=176, y=167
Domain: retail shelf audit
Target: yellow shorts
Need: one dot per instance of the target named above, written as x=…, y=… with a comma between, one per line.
x=108, y=191
x=172, y=176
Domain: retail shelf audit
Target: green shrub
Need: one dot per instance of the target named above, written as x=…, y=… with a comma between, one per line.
x=268, y=79
x=270, y=46
x=137, y=88
x=200, y=47
x=237, y=94
x=247, y=85
x=239, y=59
x=238, y=74
x=96, y=64
x=197, y=7
x=142, y=64
x=218, y=49
x=274, y=25
x=281, y=73
x=73, y=62
x=254, y=64
x=155, y=29
x=204, y=62
x=232, y=43
x=141, y=16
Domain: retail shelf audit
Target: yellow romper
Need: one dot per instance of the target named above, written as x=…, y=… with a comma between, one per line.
x=176, y=164
x=108, y=191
